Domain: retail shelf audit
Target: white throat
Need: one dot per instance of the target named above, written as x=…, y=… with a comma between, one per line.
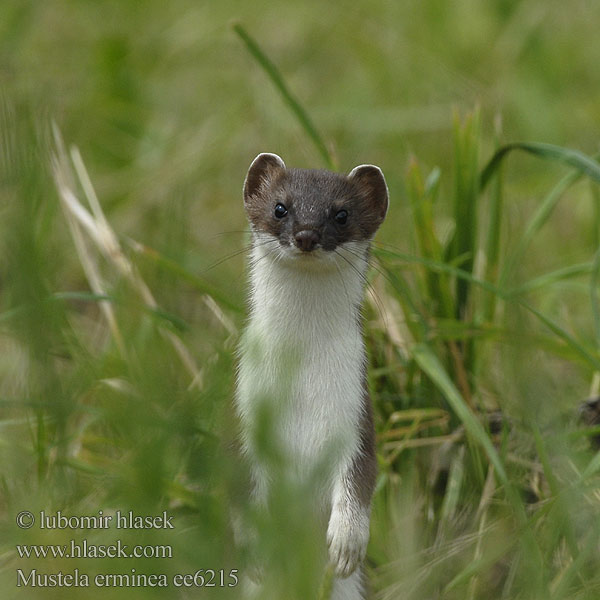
x=319, y=290
x=302, y=351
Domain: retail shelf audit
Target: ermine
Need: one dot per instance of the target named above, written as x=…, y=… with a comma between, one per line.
x=302, y=352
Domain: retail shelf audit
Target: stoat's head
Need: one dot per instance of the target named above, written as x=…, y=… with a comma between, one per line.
x=313, y=213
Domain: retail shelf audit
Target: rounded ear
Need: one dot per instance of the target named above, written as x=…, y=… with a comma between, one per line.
x=259, y=172
x=372, y=183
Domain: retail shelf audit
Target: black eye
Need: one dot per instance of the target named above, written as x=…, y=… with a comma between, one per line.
x=280, y=211
x=341, y=217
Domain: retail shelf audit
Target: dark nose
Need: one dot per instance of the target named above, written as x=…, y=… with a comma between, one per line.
x=306, y=240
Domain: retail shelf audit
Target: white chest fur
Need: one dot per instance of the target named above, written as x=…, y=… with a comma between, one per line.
x=302, y=356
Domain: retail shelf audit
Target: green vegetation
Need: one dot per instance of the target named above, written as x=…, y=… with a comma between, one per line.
x=126, y=130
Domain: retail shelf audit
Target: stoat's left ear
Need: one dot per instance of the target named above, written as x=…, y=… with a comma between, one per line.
x=371, y=182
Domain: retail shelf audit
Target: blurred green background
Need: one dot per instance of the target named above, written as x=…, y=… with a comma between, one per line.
x=168, y=108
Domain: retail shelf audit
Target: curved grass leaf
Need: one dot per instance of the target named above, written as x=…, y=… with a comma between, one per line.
x=580, y=161
x=430, y=365
x=590, y=357
x=540, y=217
x=552, y=277
x=587, y=354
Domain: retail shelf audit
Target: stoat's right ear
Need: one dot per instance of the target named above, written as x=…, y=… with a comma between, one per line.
x=260, y=170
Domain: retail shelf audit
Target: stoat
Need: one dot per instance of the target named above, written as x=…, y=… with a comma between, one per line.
x=302, y=353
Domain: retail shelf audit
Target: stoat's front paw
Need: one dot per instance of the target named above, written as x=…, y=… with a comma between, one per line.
x=347, y=539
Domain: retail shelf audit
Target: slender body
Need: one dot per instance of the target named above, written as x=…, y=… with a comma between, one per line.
x=302, y=354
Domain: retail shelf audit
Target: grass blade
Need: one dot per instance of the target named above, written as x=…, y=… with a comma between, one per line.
x=430, y=365
x=552, y=277
x=466, y=193
x=580, y=161
x=276, y=78
x=80, y=220
x=588, y=355
x=456, y=477
x=421, y=198
x=539, y=219
x=492, y=242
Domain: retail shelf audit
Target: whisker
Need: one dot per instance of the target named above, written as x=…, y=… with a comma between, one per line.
x=243, y=250
x=361, y=275
x=371, y=264
x=221, y=233
x=254, y=261
x=228, y=257
x=374, y=265
x=368, y=285
x=386, y=245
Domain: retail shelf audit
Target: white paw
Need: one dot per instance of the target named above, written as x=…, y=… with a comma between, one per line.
x=347, y=539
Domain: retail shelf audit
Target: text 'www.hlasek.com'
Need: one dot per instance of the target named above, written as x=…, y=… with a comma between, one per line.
x=84, y=548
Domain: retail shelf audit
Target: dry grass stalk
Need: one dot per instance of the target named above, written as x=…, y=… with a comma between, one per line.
x=102, y=235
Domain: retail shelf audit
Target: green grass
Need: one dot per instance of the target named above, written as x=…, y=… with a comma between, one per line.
x=122, y=283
